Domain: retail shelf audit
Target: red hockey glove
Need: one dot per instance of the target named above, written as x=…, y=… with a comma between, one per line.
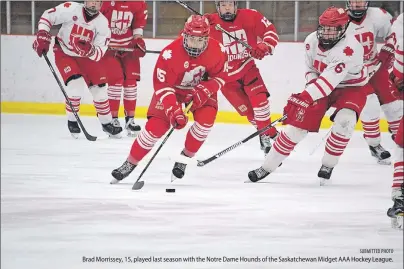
x=386, y=56
x=397, y=82
x=200, y=95
x=139, y=47
x=42, y=42
x=83, y=48
x=260, y=51
x=176, y=116
x=296, y=107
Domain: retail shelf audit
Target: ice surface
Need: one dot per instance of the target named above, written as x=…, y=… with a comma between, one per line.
x=57, y=204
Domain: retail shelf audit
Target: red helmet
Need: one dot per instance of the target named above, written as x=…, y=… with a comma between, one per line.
x=332, y=26
x=196, y=35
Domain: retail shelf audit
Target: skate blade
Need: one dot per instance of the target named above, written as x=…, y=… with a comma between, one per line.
x=173, y=178
x=117, y=136
x=132, y=133
x=75, y=135
x=384, y=162
x=114, y=181
x=397, y=222
x=325, y=182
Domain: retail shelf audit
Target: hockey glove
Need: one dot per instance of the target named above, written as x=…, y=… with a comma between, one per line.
x=397, y=82
x=139, y=47
x=296, y=107
x=84, y=48
x=386, y=56
x=177, y=118
x=260, y=51
x=42, y=42
x=200, y=95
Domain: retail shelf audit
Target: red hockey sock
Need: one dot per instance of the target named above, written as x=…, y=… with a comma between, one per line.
x=129, y=100
x=114, y=95
x=283, y=144
x=372, y=132
x=262, y=114
x=155, y=128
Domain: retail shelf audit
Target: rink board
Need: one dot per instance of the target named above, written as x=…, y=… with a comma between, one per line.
x=89, y=110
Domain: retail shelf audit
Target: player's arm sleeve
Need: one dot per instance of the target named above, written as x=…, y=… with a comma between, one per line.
x=384, y=21
x=218, y=74
x=310, y=74
x=266, y=31
x=56, y=15
x=101, y=41
x=140, y=21
x=398, y=65
x=164, y=79
x=329, y=79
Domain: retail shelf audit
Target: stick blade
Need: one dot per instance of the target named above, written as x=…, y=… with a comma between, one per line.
x=138, y=185
x=200, y=163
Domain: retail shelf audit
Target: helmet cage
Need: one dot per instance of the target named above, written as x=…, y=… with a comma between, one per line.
x=195, y=45
x=329, y=36
x=357, y=12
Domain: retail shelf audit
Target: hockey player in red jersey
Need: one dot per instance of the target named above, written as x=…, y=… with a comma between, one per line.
x=336, y=77
x=368, y=23
x=192, y=68
x=127, y=20
x=246, y=90
x=79, y=46
x=396, y=212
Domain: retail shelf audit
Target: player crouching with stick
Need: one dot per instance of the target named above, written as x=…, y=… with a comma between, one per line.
x=178, y=78
x=336, y=77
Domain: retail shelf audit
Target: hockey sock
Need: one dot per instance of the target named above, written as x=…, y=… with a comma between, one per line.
x=75, y=88
x=393, y=112
x=155, y=128
x=101, y=103
x=283, y=146
x=341, y=132
x=129, y=100
x=114, y=95
x=76, y=106
x=398, y=176
x=370, y=117
x=204, y=119
x=262, y=114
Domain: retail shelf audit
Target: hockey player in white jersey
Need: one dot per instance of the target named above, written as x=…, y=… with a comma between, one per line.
x=396, y=212
x=79, y=46
x=336, y=77
x=367, y=23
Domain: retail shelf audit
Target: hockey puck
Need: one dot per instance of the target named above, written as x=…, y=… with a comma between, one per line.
x=170, y=190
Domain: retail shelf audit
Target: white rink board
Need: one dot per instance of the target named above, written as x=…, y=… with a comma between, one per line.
x=58, y=206
x=27, y=78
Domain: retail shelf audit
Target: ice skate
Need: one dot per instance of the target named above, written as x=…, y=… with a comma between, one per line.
x=325, y=174
x=396, y=212
x=257, y=174
x=122, y=172
x=113, y=129
x=178, y=171
x=381, y=154
x=74, y=129
x=131, y=128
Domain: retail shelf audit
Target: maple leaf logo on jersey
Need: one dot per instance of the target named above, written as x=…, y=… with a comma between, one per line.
x=348, y=51
x=167, y=54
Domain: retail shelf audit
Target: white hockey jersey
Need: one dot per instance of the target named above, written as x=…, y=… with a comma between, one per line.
x=397, y=36
x=376, y=23
x=339, y=67
x=74, y=25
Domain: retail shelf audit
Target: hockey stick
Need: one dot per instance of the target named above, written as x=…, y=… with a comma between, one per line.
x=322, y=140
x=128, y=49
x=87, y=135
x=139, y=184
x=220, y=154
x=218, y=27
